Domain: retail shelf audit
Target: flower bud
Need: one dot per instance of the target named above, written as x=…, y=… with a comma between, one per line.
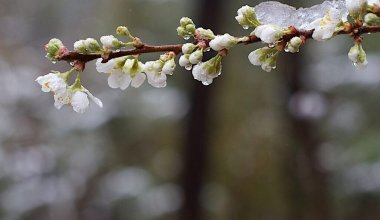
x=357, y=8
x=182, y=32
x=372, y=19
x=190, y=28
x=185, y=21
x=269, y=33
x=205, y=33
x=80, y=46
x=196, y=57
x=225, y=41
x=188, y=48
x=184, y=60
x=358, y=56
x=247, y=17
x=207, y=71
x=265, y=57
x=53, y=47
x=110, y=42
x=294, y=45
x=123, y=31
x=92, y=45
x=169, y=67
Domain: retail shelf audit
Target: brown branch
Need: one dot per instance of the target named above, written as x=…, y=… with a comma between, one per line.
x=354, y=30
x=73, y=56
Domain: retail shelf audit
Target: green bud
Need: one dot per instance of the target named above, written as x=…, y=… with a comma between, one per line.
x=190, y=28
x=52, y=48
x=123, y=31
x=214, y=65
x=372, y=19
x=247, y=17
x=294, y=45
x=358, y=56
x=188, y=48
x=92, y=45
x=185, y=21
x=206, y=33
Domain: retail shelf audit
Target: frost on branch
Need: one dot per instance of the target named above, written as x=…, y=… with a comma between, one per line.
x=282, y=28
x=283, y=15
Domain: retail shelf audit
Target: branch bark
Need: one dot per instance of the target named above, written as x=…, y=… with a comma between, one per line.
x=71, y=56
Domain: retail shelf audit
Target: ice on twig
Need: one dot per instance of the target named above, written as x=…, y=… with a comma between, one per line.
x=272, y=12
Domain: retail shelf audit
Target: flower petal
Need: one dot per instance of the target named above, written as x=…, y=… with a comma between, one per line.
x=80, y=102
x=138, y=80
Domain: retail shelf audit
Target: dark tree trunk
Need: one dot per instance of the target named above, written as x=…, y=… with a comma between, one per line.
x=196, y=152
x=308, y=183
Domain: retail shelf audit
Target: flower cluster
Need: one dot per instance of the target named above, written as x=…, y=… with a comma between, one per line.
x=75, y=95
x=121, y=60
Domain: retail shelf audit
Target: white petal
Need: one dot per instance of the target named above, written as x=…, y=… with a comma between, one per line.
x=157, y=80
x=94, y=99
x=254, y=58
x=169, y=67
x=80, y=102
x=105, y=67
x=138, y=80
x=119, y=79
x=125, y=81
x=51, y=83
x=62, y=98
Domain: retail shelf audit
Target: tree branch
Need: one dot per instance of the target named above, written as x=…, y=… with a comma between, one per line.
x=71, y=56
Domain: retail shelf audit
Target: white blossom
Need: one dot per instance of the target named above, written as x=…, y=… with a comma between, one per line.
x=221, y=42
x=269, y=33
x=52, y=82
x=118, y=79
x=325, y=27
x=105, y=67
x=61, y=98
x=80, y=102
x=134, y=69
x=155, y=77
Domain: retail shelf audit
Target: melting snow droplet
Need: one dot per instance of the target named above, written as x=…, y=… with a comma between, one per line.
x=187, y=37
x=245, y=27
x=188, y=67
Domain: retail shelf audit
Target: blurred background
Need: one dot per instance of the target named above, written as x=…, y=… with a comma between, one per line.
x=300, y=143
